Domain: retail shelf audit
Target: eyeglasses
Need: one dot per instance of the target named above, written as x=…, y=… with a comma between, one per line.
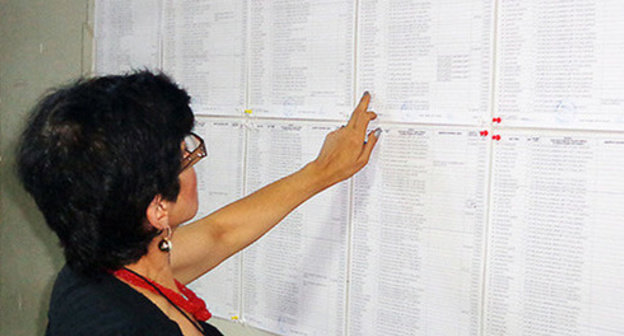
x=195, y=150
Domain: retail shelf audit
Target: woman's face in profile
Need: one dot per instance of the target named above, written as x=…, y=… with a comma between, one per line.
x=185, y=206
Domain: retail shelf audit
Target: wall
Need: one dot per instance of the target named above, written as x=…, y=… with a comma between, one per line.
x=41, y=45
x=45, y=43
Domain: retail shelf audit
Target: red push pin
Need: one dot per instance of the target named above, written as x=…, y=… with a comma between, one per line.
x=496, y=120
x=496, y=137
x=483, y=133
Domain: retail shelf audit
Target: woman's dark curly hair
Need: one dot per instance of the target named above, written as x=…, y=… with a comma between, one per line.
x=94, y=154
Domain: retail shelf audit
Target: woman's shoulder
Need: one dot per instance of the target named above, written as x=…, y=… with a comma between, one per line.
x=102, y=305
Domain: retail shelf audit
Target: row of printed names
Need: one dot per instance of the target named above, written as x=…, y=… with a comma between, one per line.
x=415, y=231
x=437, y=63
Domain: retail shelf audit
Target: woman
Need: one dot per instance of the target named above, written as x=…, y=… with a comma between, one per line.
x=109, y=162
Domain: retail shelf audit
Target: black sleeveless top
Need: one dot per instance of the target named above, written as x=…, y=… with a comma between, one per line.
x=106, y=306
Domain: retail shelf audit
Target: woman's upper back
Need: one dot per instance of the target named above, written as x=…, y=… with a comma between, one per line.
x=105, y=306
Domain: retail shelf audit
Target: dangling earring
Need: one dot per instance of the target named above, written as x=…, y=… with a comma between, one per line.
x=165, y=244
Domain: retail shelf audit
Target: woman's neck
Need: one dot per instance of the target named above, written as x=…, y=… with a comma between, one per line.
x=155, y=266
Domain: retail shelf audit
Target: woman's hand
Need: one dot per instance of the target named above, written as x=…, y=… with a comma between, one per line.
x=345, y=151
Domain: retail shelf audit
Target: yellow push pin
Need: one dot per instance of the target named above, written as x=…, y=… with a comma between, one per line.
x=249, y=111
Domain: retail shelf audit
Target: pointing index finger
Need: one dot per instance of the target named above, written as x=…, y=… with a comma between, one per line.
x=359, y=111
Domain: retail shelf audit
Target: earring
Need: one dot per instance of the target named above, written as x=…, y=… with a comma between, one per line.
x=165, y=244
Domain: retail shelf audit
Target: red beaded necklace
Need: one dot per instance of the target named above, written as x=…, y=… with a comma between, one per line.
x=192, y=304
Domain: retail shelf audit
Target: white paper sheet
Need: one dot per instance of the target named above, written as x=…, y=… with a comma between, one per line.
x=205, y=50
x=301, y=58
x=418, y=234
x=556, y=259
x=560, y=64
x=426, y=61
x=220, y=182
x=127, y=35
x=294, y=277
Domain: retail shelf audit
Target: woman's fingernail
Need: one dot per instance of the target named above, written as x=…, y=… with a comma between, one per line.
x=366, y=93
x=377, y=132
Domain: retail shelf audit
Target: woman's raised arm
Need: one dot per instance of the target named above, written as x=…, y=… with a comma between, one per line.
x=202, y=245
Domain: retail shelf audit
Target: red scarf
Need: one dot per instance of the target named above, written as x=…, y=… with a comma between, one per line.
x=191, y=304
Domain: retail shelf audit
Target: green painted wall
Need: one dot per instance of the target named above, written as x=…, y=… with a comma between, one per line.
x=43, y=43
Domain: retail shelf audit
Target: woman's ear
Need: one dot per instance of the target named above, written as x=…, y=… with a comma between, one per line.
x=157, y=213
